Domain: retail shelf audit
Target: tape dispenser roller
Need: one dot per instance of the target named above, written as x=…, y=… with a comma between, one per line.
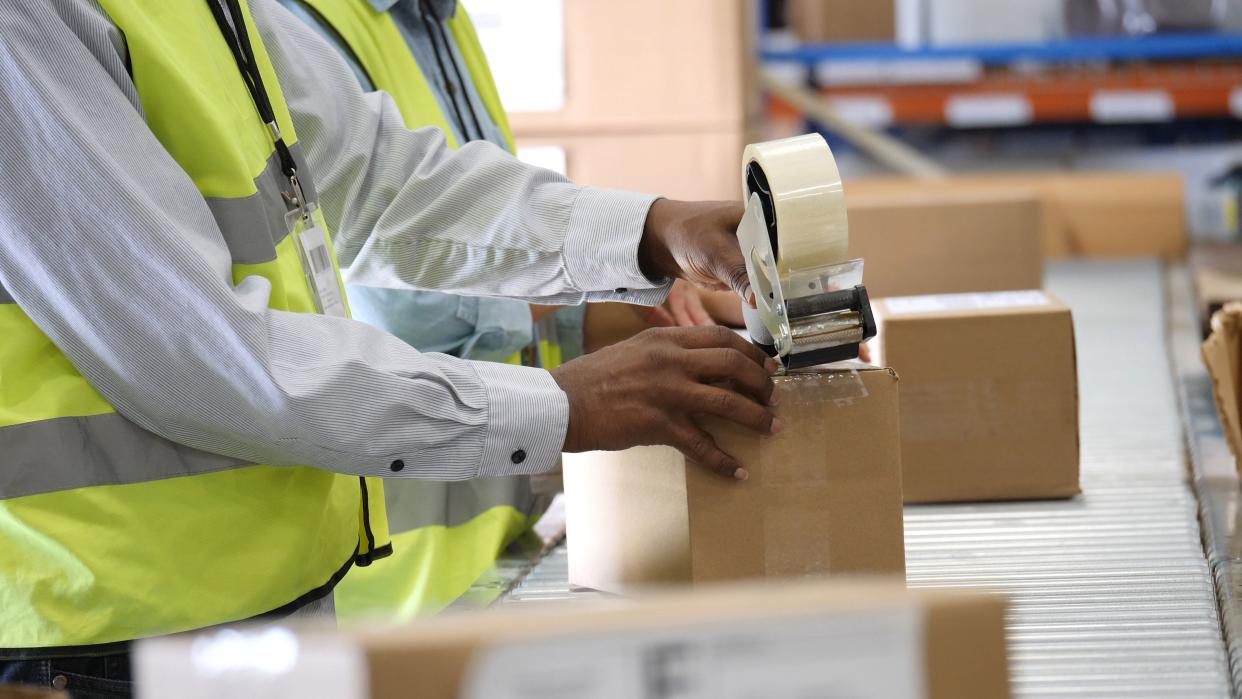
x=811, y=305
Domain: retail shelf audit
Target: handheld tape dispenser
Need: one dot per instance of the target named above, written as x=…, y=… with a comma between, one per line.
x=811, y=305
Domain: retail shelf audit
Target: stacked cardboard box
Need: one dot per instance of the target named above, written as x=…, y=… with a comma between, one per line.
x=842, y=20
x=824, y=495
x=1105, y=214
x=989, y=399
x=671, y=115
x=812, y=639
x=948, y=242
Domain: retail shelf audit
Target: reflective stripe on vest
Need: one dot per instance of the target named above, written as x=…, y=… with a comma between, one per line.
x=108, y=532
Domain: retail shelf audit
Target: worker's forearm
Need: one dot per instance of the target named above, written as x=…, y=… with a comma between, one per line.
x=409, y=212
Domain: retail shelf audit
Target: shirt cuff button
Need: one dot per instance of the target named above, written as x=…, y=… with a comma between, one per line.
x=518, y=456
x=621, y=290
x=397, y=465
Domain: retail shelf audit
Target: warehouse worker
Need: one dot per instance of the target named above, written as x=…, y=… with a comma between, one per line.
x=426, y=56
x=172, y=319
x=445, y=534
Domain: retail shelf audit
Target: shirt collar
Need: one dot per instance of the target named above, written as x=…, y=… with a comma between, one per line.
x=444, y=8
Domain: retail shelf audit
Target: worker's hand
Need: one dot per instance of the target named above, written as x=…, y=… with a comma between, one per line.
x=649, y=388
x=683, y=307
x=688, y=305
x=695, y=241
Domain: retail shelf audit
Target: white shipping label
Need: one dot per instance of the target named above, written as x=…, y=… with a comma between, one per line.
x=320, y=273
x=854, y=655
x=965, y=302
x=242, y=663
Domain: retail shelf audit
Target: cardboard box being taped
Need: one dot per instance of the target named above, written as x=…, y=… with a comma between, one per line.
x=862, y=639
x=946, y=243
x=989, y=395
x=1088, y=214
x=824, y=495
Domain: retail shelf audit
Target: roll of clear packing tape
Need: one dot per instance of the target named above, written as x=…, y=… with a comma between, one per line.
x=803, y=201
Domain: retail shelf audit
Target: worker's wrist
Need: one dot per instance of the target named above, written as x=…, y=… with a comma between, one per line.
x=654, y=257
x=602, y=246
x=527, y=417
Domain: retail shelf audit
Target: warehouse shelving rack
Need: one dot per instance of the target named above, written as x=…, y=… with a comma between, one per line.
x=1105, y=80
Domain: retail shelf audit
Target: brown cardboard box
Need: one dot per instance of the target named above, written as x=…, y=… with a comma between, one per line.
x=699, y=164
x=1222, y=355
x=824, y=496
x=1106, y=214
x=863, y=638
x=946, y=243
x=652, y=65
x=842, y=20
x=989, y=397
x=1216, y=269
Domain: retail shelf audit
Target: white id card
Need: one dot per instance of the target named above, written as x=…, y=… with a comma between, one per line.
x=320, y=274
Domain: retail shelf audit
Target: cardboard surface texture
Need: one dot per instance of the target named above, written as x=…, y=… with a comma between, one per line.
x=989, y=396
x=824, y=496
x=1221, y=353
x=1106, y=214
x=942, y=244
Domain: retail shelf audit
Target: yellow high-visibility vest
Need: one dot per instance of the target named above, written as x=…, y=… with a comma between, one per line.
x=108, y=532
x=444, y=535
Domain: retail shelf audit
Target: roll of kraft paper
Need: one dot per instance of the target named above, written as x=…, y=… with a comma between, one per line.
x=811, y=307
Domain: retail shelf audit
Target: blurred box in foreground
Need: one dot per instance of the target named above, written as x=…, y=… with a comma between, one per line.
x=1089, y=214
x=824, y=495
x=867, y=639
x=945, y=242
x=989, y=395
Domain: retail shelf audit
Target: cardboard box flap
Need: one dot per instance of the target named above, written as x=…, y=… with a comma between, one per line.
x=1221, y=356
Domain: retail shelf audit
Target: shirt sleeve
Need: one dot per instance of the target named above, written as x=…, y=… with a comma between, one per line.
x=111, y=251
x=409, y=212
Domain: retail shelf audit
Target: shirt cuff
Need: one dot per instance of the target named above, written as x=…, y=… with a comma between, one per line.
x=527, y=417
x=601, y=247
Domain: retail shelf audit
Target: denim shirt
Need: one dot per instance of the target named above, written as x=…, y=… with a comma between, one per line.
x=483, y=328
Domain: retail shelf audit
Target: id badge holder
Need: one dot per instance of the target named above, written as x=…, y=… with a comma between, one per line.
x=313, y=249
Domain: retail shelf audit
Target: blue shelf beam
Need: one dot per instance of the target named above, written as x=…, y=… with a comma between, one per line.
x=1159, y=47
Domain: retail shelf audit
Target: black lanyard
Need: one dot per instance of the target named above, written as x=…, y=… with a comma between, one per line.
x=233, y=27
